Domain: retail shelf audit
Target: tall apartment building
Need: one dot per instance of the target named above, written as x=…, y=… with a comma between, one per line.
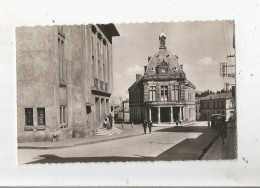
x=64, y=80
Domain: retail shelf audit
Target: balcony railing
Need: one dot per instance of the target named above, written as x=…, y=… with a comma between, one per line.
x=101, y=85
x=95, y=82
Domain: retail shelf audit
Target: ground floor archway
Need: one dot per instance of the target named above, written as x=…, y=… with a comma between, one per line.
x=165, y=114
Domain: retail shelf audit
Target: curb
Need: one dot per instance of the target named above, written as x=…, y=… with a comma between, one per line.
x=174, y=125
x=205, y=150
x=79, y=144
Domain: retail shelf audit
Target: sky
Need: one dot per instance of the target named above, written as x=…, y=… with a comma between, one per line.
x=200, y=46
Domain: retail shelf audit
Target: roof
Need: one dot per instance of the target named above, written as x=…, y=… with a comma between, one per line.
x=161, y=58
x=135, y=83
x=190, y=84
x=218, y=96
x=109, y=30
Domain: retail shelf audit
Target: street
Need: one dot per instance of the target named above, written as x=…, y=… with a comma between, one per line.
x=220, y=151
x=165, y=143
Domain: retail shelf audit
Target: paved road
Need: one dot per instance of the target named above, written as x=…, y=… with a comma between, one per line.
x=169, y=143
x=220, y=151
x=149, y=145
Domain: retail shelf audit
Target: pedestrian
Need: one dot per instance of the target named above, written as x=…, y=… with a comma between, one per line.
x=177, y=123
x=110, y=117
x=122, y=124
x=150, y=124
x=223, y=132
x=208, y=124
x=132, y=125
x=145, y=126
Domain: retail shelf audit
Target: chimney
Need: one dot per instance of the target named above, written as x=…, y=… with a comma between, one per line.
x=145, y=69
x=138, y=77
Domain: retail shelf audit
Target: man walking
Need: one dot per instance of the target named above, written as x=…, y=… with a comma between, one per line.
x=223, y=132
x=110, y=117
x=150, y=124
x=145, y=126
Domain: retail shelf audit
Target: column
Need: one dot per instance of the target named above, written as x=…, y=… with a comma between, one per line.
x=105, y=108
x=171, y=115
x=184, y=113
x=181, y=117
x=179, y=113
x=100, y=112
x=159, y=115
x=35, y=119
x=150, y=116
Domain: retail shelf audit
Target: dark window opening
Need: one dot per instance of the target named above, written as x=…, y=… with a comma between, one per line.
x=28, y=116
x=88, y=109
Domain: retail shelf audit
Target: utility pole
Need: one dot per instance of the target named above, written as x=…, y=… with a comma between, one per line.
x=224, y=69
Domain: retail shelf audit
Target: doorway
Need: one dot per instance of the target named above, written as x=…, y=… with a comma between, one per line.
x=165, y=114
x=154, y=114
x=176, y=111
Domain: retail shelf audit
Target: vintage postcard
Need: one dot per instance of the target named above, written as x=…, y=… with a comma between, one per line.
x=126, y=92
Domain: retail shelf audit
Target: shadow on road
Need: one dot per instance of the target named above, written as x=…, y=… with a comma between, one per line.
x=56, y=159
x=197, y=129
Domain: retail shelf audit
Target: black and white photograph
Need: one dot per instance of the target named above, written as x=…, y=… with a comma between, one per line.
x=160, y=91
x=129, y=93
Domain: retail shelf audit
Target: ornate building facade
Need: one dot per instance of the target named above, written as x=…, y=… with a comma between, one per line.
x=64, y=80
x=163, y=93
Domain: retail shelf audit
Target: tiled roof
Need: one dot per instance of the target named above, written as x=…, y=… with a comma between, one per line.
x=135, y=83
x=218, y=96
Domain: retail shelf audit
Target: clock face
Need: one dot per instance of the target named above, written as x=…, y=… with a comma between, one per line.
x=163, y=70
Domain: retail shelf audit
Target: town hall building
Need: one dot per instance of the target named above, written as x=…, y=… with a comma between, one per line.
x=163, y=93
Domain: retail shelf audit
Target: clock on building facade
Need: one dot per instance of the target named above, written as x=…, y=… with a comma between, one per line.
x=166, y=95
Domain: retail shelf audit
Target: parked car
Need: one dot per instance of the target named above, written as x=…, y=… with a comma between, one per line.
x=217, y=120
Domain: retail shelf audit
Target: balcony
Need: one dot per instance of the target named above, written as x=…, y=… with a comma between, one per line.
x=164, y=102
x=101, y=85
x=100, y=88
x=96, y=82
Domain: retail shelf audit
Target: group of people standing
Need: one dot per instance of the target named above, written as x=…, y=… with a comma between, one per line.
x=108, y=122
x=148, y=124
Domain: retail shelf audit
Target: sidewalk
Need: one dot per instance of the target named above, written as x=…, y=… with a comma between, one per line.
x=226, y=151
x=128, y=131
x=191, y=149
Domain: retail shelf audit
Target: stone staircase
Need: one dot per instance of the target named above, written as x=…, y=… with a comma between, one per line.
x=105, y=131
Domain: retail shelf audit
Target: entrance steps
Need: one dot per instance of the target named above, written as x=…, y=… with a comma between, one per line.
x=105, y=131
